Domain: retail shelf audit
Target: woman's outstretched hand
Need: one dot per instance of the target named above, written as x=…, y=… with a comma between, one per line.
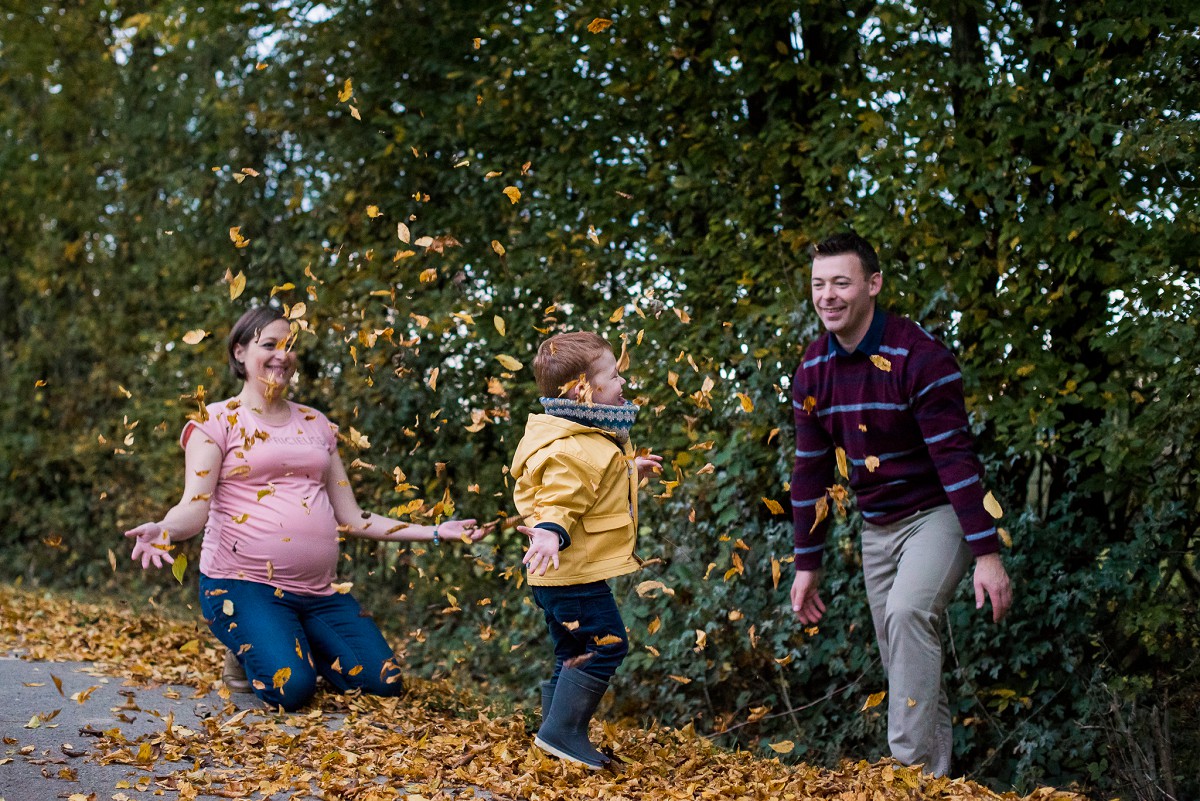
x=463, y=530
x=151, y=545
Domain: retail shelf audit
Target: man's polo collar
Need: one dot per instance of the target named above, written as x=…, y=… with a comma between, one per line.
x=870, y=343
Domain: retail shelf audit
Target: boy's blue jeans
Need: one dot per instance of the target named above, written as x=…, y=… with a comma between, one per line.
x=591, y=606
x=307, y=634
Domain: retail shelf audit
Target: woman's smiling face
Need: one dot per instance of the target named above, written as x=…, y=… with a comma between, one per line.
x=268, y=358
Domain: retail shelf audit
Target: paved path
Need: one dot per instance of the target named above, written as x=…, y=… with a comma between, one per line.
x=44, y=759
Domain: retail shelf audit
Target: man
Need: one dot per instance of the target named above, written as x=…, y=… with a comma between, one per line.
x=889, y=395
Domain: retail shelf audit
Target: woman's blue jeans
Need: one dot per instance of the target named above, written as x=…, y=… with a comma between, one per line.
x=285, y=640
x=586, y=627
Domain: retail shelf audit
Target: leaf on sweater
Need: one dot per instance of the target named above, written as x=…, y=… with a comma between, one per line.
x=882, y=363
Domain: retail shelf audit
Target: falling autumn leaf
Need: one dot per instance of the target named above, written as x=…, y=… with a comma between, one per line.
x=607, y=639
x=1005, y=537
x=227, y=607
x=195, y=336
x=509, y=362
x=599, y=24
x=373, y=212
x=871, y=463
x=341, y=588
x=882, y=363
x=237, y=286
x=617, y=314
x=782, y=747
x=496, y=246
x=873, y=700
x=773, y=505
x=747, y=404
x=992, y=505
x=433, y=377
x=281, y=677
x=347, y=91
x=179, y=566
x=498, y=321
x=842, y=466
x=403, y=234
x=512, y=193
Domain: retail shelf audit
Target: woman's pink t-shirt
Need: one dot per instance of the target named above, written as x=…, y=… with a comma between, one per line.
x=270, y=519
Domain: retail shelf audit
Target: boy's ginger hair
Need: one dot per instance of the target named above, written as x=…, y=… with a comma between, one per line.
x=563, y=358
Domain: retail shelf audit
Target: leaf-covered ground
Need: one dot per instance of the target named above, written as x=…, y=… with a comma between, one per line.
x=439, y=741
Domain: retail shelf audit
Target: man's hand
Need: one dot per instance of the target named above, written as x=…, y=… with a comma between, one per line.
x=543, y=550
x=806, y=602
x=992, y=580
x=648, y=465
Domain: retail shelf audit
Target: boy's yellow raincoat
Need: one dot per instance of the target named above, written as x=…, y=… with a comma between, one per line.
x=580, y=478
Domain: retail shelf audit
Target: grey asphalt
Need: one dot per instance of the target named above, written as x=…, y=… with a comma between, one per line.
x=48, y=742
x=45, y=740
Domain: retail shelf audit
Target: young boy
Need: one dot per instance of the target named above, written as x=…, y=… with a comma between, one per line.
x=576, y=487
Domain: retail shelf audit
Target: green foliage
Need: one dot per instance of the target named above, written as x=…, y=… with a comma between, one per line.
x=1028, y=170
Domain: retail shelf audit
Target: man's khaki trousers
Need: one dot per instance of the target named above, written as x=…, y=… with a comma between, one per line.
x=912, y=569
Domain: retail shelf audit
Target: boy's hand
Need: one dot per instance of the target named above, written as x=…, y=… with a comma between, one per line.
x=543, y=549
x=648, y=465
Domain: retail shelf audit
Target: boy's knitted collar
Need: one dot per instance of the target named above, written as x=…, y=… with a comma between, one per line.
x=615, y=420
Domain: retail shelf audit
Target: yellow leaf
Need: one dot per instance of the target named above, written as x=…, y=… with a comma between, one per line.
x=842, y=466
x=774, y=505
x=498, y=321
x=297, y=311
x=373, y=212
x=607, y=639
x=354, y=671
x=680, y=679
x=227, y=607
x=872, y=462
x=992, y=505
x=683, y=316
x=429, y=276
x=882, y=363
x=354, y=113
x=343, y=588
x=822, y=510
x=592, y=236
x=403, y=233
x=616, y=316
x=1005, y=537
x=496, y=246
x=195, y=336
x=701, y=639
x=281, y=677
x=512, y=193
x=782, y=747
x=599, y=24
x=433, y=377
x=190, y=647
x=874, y=700
x=237, y=286
x=509, y=362
x=347, y=91
x=747, y=404
x=571, y=625
x=179, y=566
x=654, y=625
x=647, y=589
x=239, y=519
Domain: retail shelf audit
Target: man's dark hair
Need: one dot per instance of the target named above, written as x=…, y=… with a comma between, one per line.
x=849, y=242
x=246, y=330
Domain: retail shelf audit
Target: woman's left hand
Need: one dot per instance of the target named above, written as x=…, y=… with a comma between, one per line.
x=462, y=530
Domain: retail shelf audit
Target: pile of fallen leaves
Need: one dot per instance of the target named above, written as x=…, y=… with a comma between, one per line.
x=436, y=742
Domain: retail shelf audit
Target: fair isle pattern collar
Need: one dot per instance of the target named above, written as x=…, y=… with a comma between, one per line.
x=615, y=420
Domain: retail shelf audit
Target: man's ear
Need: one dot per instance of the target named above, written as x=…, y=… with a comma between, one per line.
x=875, y=283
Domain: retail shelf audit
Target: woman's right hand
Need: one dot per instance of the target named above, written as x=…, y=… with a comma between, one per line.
x=151, y=545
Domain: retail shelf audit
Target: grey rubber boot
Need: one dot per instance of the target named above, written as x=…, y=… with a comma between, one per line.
x=547, y=696
x=564, y=731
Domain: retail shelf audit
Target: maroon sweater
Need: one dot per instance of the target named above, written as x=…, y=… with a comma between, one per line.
x=896, y=406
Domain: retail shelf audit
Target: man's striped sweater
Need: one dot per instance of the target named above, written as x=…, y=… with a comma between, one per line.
x=896, y=406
